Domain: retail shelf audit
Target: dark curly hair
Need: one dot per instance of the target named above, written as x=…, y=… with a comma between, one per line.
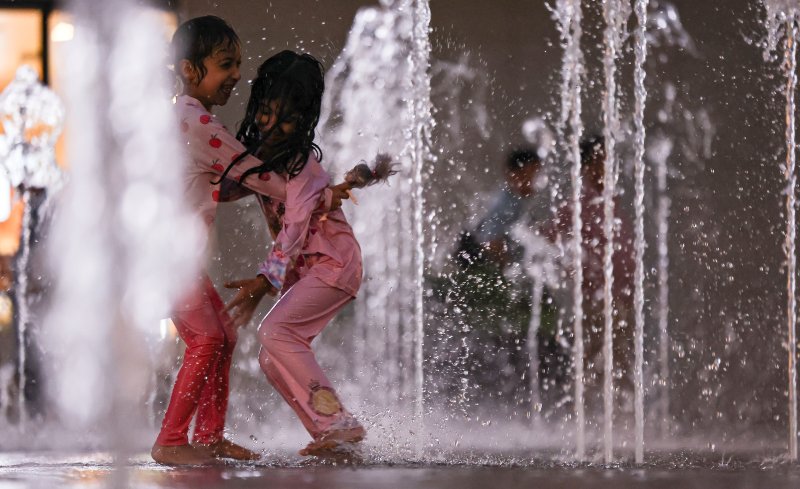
x=297, y=81
x=198, y=38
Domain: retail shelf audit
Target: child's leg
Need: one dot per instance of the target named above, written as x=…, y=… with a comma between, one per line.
x=201, y=353
x=213, y=403
x=199, y=327
x=275, y=377
x=287, y=359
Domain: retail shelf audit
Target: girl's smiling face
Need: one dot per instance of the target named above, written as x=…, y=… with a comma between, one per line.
x=274, y=125
x=222, y=74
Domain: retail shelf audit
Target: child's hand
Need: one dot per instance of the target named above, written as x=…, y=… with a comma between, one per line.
x=340, y=192
x=243, y=305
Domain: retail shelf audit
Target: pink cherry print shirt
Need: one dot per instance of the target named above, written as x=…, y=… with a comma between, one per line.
x=211, y=148
x=325, y=248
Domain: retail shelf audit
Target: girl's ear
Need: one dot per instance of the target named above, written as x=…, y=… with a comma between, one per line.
x=188, y=72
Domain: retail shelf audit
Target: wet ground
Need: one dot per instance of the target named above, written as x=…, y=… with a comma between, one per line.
x=674, y=470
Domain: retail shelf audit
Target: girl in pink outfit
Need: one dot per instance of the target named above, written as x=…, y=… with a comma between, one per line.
x=320, y=249
x=207, y=59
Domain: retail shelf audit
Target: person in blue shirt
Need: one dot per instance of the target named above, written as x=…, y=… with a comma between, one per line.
x=489, y=242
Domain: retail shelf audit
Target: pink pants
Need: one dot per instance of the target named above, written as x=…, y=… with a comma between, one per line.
x=202, y=382
x=287, y=360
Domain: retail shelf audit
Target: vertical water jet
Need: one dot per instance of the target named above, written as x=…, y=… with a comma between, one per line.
x=790, y=64
x=615, y=14
x=640, y=52
x=783, y=15
x=422, y=123
x=568, y=16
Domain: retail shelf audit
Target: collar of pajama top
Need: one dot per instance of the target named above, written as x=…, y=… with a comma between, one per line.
x=306, y=232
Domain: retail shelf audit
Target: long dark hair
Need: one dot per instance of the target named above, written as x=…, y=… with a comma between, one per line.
x=297, y=81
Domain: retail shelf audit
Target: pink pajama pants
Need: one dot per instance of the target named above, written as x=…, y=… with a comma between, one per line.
x=288, y=361
x=202, y=382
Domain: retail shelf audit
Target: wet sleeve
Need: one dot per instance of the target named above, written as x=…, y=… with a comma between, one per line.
x=213, y=148
x=302, y=199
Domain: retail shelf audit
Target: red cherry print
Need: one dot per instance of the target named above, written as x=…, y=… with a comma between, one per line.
x=313, y=231
x=184, y=126
x=215, y=142
x=217, y=166
x=264, y=176
x=205, y=119
x=215, y=195
x=235, y=156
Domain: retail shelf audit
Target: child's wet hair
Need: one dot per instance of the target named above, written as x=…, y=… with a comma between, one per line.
x=297, y=81
x=198, y=38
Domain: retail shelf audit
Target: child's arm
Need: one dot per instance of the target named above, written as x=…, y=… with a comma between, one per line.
x=302, y=199
x=213, y=148
x=243, y=305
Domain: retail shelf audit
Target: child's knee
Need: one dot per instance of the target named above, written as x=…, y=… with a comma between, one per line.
x=268, y=366
x=270, y=346
x=277, y=339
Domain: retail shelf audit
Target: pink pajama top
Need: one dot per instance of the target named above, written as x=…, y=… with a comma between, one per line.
x=324, y=248
x=211, y=148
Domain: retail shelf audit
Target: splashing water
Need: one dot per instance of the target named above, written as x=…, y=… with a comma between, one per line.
x=666, y=29
x=114, y=249
x=536, y=132
x=659, y=151
x=543, y=268
x=32, y=117
x=778, y=14
x=461, y=91
x=676, y=130
x=384, y=65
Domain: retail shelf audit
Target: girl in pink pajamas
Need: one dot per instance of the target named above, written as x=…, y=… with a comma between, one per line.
x=207, y=59
x=320, y=248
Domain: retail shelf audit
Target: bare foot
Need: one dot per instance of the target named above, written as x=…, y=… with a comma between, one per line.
x=330, y=441
x=228, y=449
x=180, y=455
